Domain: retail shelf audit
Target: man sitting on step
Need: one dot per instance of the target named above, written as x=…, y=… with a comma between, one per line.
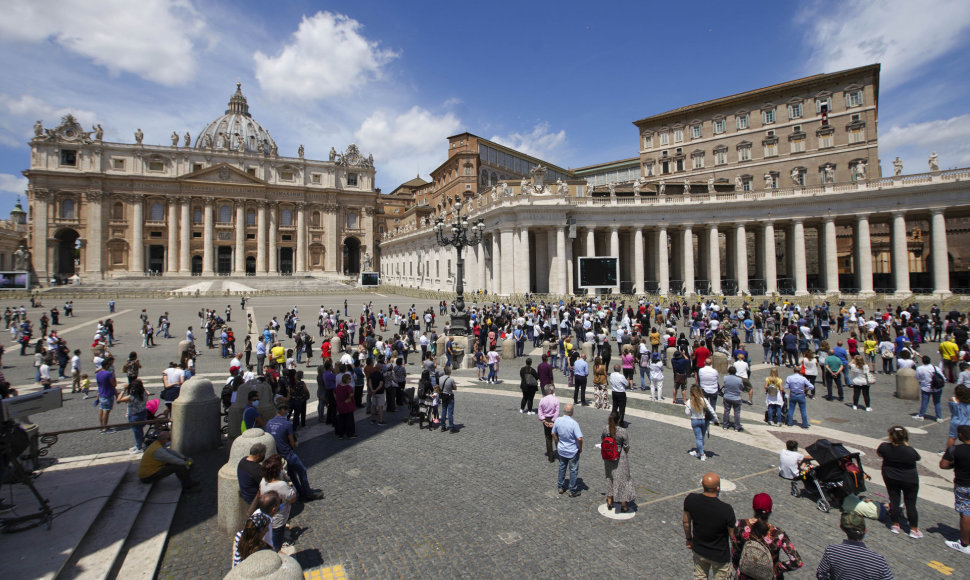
x=159, y=461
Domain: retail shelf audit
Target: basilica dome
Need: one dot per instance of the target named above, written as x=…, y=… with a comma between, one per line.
x=236, y=130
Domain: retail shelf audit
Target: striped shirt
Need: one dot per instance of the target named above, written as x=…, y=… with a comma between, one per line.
x=852, y=560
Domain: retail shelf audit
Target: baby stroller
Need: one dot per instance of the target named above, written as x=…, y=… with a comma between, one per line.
x=421, y=404
x=836, y=474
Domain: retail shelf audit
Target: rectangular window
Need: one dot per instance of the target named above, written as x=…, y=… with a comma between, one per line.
x=285, y=175
x=118, y=164
x=287, y=237
x=744, y=154
x=797, y=145
x=197, y=167
x=853, y=99
x=771, y=149
x=316, y=179
x=155, y=234
x=352, y=180
x=649, y=141
x=250, y=236
x=826, y=102
x=720, y=158
x=196, y=234
x=795, y=111
x=699, y=162
x=719, y=126
x=768, y=116
x=743, y=121
x=68, y=157
x=251, y=171
x=678, y=135
x=695, y=132
x=664, y=138
x=746, y=184
x=156, y=166
x=825, y=141
x=650, y=170
x=857, y=135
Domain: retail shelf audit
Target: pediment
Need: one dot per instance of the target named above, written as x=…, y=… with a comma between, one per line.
x=223, y=173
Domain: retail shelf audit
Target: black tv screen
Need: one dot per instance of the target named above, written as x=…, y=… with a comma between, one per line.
x=370, y=279
x=599, y=272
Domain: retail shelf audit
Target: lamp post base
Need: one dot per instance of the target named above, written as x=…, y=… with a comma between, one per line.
x=459, y=324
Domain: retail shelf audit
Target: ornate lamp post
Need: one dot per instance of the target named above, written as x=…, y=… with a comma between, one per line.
x=462, y=235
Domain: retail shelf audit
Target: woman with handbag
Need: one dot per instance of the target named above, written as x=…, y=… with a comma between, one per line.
x=809, y=366
x=859, y=377
x=700, y=411
x=529, y=385
x=615, y=444
x=600, y=398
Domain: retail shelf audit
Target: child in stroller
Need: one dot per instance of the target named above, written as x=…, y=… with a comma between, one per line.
x=835, y=474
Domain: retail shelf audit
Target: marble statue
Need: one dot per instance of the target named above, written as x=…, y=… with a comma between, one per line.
x=22, y=258
x=795, y=174
x=275, y=150
x=661, y=187
x=38, y=128
x=686, y=186
x=98, y=132
x=333, y=154
x=370, y=160
x=207, y=141
x=300, y=152
x=524, y=187
x=261, y=147
x=769, y=182
x=710, y=185
x=738, y=185
x=366, y=261
x=612, y=187
x=897, y=166
x=188, y=140
x=637, y=185
x=828, y=173
x=561, y=187
x=934, y=162
x=139, y=136
x=860, y=171
x=175, y=139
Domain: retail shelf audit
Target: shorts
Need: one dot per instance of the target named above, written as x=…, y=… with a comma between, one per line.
x=961, y=502
x=953, y=429
x=746, y=385
x=106, y=403
x=380, y=400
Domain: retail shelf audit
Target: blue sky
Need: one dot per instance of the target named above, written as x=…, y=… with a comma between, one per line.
x=560, y=80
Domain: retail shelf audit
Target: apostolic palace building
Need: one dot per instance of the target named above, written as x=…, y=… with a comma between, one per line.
x=774, y=190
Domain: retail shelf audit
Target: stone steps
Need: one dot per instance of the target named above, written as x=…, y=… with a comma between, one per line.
x=145, y=546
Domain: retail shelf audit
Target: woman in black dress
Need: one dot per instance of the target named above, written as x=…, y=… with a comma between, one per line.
x=900, y=476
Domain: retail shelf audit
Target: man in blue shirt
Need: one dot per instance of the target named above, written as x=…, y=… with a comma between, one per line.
x=282, y=431
x=580, y=378
x=796, y=385
x=569, y=444
x=843, y=354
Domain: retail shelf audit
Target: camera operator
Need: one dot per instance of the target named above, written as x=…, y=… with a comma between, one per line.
x=5, y=392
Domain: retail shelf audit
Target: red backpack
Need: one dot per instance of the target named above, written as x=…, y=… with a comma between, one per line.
x=609, y=449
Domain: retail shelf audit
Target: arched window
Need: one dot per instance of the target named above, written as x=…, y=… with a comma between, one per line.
x=157, y=213
x=352, y=220
x=67, y=209
x=315, y=219
x=484, y=178
x=286, y=217
x=118, y=211
x=225, y=214
x=250, y=218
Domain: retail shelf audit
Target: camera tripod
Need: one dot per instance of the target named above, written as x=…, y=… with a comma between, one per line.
x=13, y=441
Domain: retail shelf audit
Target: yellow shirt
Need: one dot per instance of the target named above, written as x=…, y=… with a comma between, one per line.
x=278, y=353
x=149, y=465
x=949, y=350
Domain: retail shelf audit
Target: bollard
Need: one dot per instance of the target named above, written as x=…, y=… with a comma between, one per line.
x=719, y=361
x=233, y=511
x=268, y=565
x=588, y=350
x=182, y=347
x=907, y=387
x=266, y=407
x=195, y=418
x=508, y=349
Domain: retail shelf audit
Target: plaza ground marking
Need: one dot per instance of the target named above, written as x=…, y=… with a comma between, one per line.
x=692, y=490
x=940, y=567
x=61, y=331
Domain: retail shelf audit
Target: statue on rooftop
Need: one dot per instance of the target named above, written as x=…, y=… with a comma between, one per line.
x=897, y=166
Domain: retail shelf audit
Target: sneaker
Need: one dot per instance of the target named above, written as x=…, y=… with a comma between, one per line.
x=703, y=457
x=915, y=534
x=956, y=545
x=531, y=413
x=135, y=450
x=918, y=417
x=521, y=410
x=894, y=529
x=939, y=420
x=868, y=409
x=561, y=491
x=854, y=408
x=693, y=453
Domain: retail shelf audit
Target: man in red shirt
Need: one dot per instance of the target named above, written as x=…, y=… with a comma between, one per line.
x=325, y=351
x=701, y=354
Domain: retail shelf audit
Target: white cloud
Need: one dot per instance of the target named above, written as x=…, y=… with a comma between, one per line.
x=17, y=116
x=327, y=56
x=901, y=34
x=15, y=184
x=538, y=143
x=914, y=143
x=406, y=144
x=154, y=39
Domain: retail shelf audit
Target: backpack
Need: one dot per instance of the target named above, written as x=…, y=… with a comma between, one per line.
x=609, y=449
x=756, y=562
x=645, y=359
x=938, y=381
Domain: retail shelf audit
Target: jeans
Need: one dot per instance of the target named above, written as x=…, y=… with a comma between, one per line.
x=447, y=411
x=299, y=355
x=887, y=365
x=925, y=401
x=278, y=534
x=774, y=413
x=793, y=401
x=573, y=464
x=736, y=405
x=837, y=379
x=180, y=471
x=860, y=390
x=520, y=348
x=297, y=472
x=579, y=389
x=700, y=430
x=299, y=413
x=492, y=373
x=138, y=430
x=644, y=372
x=619, y=404
x=712, y=398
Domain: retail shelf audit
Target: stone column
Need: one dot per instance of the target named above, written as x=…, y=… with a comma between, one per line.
x=615, y=251
x=261, y=238
x=496, y=263
x=331, y=236
x=523, y=271
x=208, y=239
x=570, y=277
x=39, y=220
x=482, y=280
x=830, y=262
x=561, y=287
x=741, y=258
x=590, y=241
x=770, y=259
x=731, y=251
x=138, y=235
x=863, y=256
x=185, y=237
x=714, y=259
x=638, y=273
x=273, y=254
x=239, y=252
x=508, y=262
x=663, y=262
x=92, y=257
x=552, y=261
x=171, y=252
x=900, y=253
x=301, y=245
x=799, y=260
x=688, y=260
x=939, y=253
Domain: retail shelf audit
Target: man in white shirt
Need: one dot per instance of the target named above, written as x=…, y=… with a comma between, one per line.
x=618, y=386
x=790, y=461
x=743, y=369
x=924, y=374
x=709, y=380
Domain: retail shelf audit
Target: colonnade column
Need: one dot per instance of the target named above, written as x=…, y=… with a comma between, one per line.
x=95, y=218
x=900, y=253
x=261, y=238
x=741, y=258
x=239, y=252
x=171, y=253
x=523, y=275
x=638, y=273
x=769, y=258
x=496, y=263
x=208, y=235
x=939, y=252
x=480, y=250
x=38, y=218
x=185, y=237
x=138, y=235
x=663, y=262
x=301, y=245
x=688, y=260
x=615, y=251
x=714, y=259
x=273, y=254
x=331, y=237
x=590, y=241
x=561, y=259
x=863, y=256
x=508, y=264
x=799, y=260
x=830, y=262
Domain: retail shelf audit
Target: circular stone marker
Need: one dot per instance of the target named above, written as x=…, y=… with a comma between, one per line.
x=916, y=431
x=614, y=514
x=728, y=485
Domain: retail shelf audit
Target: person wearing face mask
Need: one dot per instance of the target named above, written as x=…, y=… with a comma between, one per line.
x=251, y=416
